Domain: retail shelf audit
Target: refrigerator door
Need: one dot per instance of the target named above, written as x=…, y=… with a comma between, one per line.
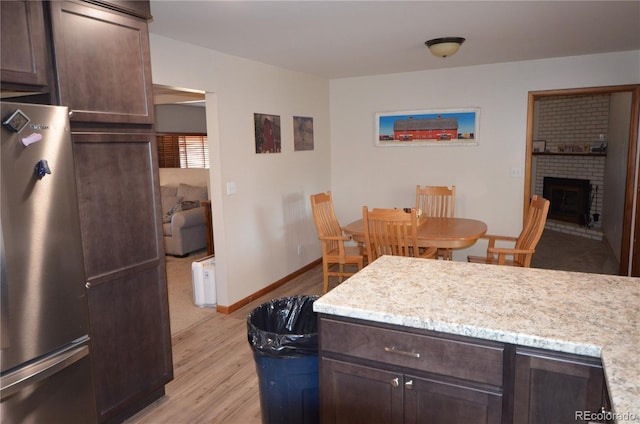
x=43, y=304
x=54, y=389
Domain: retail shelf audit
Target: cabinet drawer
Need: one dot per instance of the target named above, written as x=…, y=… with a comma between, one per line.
x=454, y=358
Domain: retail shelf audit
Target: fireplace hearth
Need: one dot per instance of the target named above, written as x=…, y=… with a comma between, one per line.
x=569, y=199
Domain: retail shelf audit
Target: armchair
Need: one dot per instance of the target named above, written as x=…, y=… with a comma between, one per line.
x=437, y=202
x=525, y=243
x=393, y=232
x=334, y=250
x=183, y=219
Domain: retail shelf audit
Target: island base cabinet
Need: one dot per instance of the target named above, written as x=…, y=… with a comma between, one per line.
x=556, y=389
x=354, y=394
x=428, y=401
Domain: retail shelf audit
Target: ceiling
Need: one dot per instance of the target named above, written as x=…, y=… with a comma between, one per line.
x=163, y=95
x=340, y=39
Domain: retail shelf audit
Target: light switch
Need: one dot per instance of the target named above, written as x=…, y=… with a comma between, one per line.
x=231, y=188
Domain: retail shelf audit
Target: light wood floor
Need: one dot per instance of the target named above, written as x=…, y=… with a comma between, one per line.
x=215, y=379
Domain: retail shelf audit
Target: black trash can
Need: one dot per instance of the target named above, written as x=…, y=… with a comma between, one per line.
x=283, y=334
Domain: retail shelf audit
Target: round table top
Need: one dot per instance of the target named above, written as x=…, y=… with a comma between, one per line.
x=451, y=233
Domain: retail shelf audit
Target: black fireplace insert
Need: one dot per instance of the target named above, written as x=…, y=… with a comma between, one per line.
x=569, y=199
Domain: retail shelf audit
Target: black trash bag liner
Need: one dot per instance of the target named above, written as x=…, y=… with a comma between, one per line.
x=284, y=328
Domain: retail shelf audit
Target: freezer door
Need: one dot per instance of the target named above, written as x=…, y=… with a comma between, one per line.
x=43, y=304
x=55, y=389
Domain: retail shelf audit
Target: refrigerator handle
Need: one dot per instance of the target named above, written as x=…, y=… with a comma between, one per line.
x=32, y=374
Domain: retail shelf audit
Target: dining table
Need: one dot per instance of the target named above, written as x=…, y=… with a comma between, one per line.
x=443, y=233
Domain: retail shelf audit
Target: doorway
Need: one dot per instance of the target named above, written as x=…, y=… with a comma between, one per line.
x=627, y=152
x=181, y=113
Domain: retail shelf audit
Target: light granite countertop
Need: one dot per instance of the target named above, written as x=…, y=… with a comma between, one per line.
x=586, y=314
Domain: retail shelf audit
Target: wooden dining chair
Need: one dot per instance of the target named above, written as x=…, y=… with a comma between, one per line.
x=525, y=244
x=334, y=250
x=437, y=202
x=393, y=232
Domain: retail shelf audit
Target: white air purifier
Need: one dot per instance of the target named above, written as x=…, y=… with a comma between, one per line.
x=203, y=274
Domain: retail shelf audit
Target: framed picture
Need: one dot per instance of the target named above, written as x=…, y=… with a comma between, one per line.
x=267, y=131
x=302, y=133
x=439, y=127
x=539, y=146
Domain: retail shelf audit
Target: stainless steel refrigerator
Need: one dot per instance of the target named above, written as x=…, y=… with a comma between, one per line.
x=46, y=374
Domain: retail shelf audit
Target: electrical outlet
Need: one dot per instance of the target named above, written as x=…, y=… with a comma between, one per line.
x=299, y=250
x=517, y=172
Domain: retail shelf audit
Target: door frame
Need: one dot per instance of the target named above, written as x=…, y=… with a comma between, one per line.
x=631, y=220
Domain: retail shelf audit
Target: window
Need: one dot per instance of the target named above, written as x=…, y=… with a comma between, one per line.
x=183, y=151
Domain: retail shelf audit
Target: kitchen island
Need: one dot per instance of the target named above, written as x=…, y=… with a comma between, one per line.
x=514, y=309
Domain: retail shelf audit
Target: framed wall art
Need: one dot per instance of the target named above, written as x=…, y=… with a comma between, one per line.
x=267, y=131
x=438, y=127
x=302, y=133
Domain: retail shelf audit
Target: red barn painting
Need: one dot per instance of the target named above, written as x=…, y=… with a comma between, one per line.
x=438, y=128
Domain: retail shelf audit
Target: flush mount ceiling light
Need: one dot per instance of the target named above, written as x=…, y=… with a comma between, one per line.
x=446, y=46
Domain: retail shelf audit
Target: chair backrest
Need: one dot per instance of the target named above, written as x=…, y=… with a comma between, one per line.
x=325, y=218
x=390, y=232
x=533, y=226
x=436, y=201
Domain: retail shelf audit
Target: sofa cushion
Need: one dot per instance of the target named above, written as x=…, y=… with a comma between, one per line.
x=167, y=191
x=183, y=205
x=189, y=192
x=168, y=202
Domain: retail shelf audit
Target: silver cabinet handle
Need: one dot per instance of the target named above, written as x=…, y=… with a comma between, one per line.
x=395, y=382
x=408, y=385
x=393, y=349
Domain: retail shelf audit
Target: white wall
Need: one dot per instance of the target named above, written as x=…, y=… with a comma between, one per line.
x=363, y=174
x=180, y=118
x=192, y=176
x=258, y=230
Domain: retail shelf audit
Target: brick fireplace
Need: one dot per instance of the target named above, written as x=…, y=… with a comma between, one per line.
x=589, y=169
x=569, y=197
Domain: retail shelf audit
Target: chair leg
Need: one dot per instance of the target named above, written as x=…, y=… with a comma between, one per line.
x=325, y=272
x=445, y=254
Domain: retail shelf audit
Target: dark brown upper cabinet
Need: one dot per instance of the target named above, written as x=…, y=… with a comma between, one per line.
x=103, y=64
x=23, y=59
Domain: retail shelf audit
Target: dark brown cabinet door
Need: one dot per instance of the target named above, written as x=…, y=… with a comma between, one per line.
x=22, y=50
x=355, y=394
x=118, y=195
x=103, y=62
x=430, y=401
x=556, y=389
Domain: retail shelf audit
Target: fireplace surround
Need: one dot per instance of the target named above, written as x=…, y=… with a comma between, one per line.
x=569, y=199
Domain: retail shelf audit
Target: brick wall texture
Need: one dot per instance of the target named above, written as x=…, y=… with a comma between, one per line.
x=573, y=121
